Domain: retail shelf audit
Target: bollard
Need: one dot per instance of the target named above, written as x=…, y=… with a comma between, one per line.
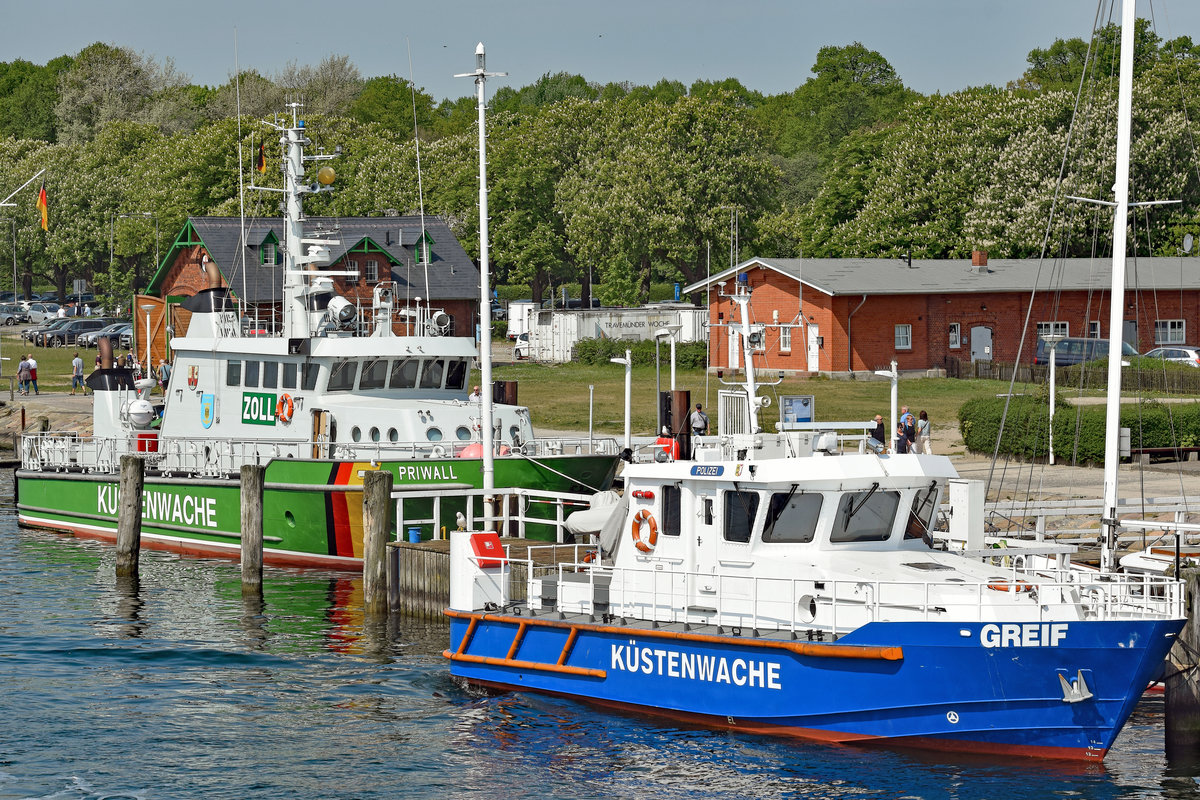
x=1183, y=680
x=252, y=528
x=377, y=504
x=129, y=516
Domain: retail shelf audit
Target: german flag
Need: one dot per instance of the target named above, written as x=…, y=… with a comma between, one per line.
x=43, y=206
x=260, y=163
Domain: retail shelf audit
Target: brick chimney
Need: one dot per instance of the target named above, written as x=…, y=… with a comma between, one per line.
x=979, y=258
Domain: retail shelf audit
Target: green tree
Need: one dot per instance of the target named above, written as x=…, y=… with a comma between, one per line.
x=390, y=101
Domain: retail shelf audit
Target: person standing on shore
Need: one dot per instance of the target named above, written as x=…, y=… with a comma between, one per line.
x=32, y=374
x=924, y=445
x=23, y=375
x=77, y=374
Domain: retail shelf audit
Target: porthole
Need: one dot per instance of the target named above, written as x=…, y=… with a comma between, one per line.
x=393, y=435
x=355, y=434
x=433, y=434
x=374, y=434
x=463, y=433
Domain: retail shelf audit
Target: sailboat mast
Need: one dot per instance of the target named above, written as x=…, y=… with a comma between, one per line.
x=1116, y=316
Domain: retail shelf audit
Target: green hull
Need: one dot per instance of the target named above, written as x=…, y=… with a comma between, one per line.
x=312, y=512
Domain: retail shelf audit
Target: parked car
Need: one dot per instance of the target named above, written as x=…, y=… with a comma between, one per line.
x=111, y=332
x=41, y=312
x=521, y=348
x=1179, y=353
x=125, y=340
x=1076, y=350
x=498, y=312
x=11, y=314
x=31, y=334
x=68, y=334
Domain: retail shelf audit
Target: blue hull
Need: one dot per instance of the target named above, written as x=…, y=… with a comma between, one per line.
x=953, y=686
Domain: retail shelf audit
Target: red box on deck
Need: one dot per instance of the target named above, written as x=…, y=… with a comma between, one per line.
x=487, y=549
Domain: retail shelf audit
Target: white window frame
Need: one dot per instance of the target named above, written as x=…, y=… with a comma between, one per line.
x=785, y=338
x=904, y=337
x=1054, y=328
x=1094, y=329
x=372, y=271
x=352, y=266
x=955, y=335
x=1170, y=331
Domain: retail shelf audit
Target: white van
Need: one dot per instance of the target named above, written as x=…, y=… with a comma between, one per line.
x=519, y=312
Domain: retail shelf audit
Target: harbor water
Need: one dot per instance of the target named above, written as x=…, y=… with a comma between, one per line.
x=178, y=688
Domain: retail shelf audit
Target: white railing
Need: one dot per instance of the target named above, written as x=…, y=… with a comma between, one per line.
x=836, y=607
x=512, y=507
x=219, y=456
x=1035, y=520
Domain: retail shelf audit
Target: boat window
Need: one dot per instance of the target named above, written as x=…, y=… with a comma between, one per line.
x=374, y=373
x=434, y=434
x=463, y=433
x=393, y=435
x=289, y=375
x=740, y=510
x=374, y=434
x=270, y=374
x=341, y=376
x=250, y=378
x=355, y=433
x=670, y=510
x=233, y=373
x=431, y=376
x=708, y=510
x=920, y=516
x=865, y=516
x=456, y=375
x=404, y=373
x=310, y=376
x=792, y=517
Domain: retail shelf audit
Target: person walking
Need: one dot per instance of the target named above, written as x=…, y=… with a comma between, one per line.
x=32, y=374
x=164, y=374
x=902, y=445
x=23, y=374
x=923, y=432
x=910, y=427
x=77, y=374
x=698, y=421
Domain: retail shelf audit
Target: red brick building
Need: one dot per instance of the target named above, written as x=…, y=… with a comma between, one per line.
x=855, y=314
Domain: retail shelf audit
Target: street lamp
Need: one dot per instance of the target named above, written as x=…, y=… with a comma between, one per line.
x=894, y=374
x=1052, y=341
x=669, y=331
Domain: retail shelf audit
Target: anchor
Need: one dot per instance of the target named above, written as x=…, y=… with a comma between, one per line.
x=1077, y=690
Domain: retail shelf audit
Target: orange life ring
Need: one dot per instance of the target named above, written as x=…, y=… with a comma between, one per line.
x=1006, y=586
x=285, y=408
x=646, y=546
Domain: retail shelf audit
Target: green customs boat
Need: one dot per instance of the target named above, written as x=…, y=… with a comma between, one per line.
x=319, y=405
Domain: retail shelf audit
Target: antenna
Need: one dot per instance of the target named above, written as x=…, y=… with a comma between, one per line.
x=237, y=93
x=422, y=242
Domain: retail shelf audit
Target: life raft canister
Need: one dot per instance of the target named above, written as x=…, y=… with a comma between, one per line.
x=285, y=408
x=669, y=445
x=645, y=545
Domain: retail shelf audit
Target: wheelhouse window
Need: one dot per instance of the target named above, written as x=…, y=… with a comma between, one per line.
x=1169, y=331
x=904, y=337
x=270, y=374
x=920, y=516
x=865, y=516
x=671, y=498
x=456, y=375
x=374, y=374
x=404, y=373
x=955, y=336
x=311, y=371
x=250, y=376
x=233, y=373
x=341, y=377
x=740, y=510
x=289, y=375
x=792, y=517
x=431, y=376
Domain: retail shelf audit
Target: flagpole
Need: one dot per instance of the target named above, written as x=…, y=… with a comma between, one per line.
x=5, y=203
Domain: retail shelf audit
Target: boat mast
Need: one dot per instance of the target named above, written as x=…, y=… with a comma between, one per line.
x=295, y=320
x=1116, y=316
x=485, y=305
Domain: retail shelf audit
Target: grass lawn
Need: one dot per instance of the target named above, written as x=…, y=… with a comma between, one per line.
x=557, y=395
x=54, y=363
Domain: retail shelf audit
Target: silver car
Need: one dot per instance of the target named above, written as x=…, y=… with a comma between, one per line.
x=1180, y=354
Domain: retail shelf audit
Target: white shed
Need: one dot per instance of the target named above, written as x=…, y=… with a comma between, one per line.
x=553, y=334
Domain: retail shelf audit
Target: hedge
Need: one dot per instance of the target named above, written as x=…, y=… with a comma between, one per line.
x=688, y=355
x=1078, y=430
x=659, y=292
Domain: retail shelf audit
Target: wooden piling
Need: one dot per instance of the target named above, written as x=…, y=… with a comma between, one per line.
x=129, y=516
x=377, y=506
x=252, y=528
x=1183, y=678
